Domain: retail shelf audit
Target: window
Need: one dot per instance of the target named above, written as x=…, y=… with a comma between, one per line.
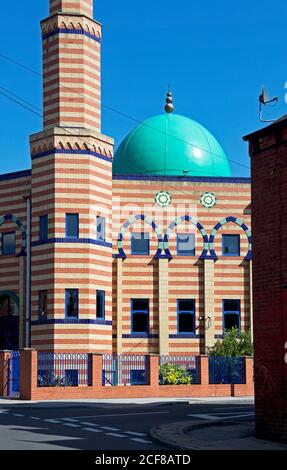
x=8, y=243
x=231, y=314
x=43, y=228
x=186, y=316
x=100, y=304
x=72, y=225
x=185, y=244
x=231, y=245
x=140, y=316
x=101, y=228
x=140, y=243
x=43, y=298
x=72, y=308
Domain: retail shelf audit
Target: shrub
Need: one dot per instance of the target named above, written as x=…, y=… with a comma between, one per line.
x=233, y=344
x=174, y=375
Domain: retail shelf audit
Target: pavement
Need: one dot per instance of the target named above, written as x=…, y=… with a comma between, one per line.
x=137, y=424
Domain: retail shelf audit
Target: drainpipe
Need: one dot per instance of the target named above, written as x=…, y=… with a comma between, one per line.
x=28, y=274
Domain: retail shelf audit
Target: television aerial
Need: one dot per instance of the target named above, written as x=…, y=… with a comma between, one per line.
x=264, y=100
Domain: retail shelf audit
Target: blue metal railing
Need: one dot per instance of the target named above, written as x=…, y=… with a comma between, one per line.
x=14, y=374
x=226, y=370
x=125, y=369
x=63, y=369
x=187, y=364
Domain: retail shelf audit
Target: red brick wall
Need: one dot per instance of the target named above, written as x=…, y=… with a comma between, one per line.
x=268, y=152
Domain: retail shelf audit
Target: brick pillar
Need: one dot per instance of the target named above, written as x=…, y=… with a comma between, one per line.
x=249, y=371
x=4, y=356
x=28, y=373
x=268, y=152
x=202, y=367
x=154, y=371
x=97, y=370
x=209, y=302
x=163, y=306
x=119, y=305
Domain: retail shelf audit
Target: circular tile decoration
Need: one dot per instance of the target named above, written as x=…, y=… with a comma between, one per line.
x=163, y=198
x=208, y=200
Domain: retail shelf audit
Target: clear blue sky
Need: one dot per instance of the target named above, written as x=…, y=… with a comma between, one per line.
x=215, y=54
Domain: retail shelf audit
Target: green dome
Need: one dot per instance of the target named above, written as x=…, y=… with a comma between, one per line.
x=170, y=145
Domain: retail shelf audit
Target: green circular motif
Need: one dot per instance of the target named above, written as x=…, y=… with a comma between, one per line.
x=163, y=198
x=208, y=200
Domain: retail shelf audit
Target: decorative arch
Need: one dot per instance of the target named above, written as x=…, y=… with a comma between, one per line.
x=10, y=293
x=18, y=222
x=180, y=220
x=128, y=223
x=236, y=221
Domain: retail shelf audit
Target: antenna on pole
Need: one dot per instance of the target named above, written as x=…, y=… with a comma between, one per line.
x=263, y=101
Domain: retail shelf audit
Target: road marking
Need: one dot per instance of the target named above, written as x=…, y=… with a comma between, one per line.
x=17, y=414
x=143, y=441
x=216, y=418
x=89, y=424
x=52, y=421
x=135, y=433
x=115, y=434
x=121, y=414
x=34, y=417
x=71, y=425
x=91, y=430
x=68, y=419
x=107, y=428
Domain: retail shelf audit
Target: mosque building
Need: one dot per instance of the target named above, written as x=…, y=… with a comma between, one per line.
x=143, y=251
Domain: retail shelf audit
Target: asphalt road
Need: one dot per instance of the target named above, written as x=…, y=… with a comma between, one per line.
x=103, y=426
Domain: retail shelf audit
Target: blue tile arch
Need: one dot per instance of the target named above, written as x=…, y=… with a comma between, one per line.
x=220, y=224
x=19, y=223
x=128, y=223
x=193, y=221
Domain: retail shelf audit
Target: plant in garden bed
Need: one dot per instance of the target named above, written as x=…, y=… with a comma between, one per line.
x=234, y=344
x=174, y=375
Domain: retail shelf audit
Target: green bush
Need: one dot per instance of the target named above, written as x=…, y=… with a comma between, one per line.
x=174, y=375
x=233, y=344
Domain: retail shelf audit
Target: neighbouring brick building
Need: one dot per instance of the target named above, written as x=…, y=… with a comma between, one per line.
x=268, y=152
x=148, y=251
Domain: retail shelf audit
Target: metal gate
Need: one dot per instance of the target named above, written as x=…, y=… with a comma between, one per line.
x=14, y=374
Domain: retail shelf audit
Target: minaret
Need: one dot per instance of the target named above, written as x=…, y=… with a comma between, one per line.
x=71, y=180
x=71, y=65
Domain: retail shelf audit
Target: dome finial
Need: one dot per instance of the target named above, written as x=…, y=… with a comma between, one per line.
x=169, y=107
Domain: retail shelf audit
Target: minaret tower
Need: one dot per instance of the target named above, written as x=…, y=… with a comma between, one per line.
x=71, y=202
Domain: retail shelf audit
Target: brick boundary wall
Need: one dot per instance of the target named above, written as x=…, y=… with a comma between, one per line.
x=30, y=391
x=4, y=356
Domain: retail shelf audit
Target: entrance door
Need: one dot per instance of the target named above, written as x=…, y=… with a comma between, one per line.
x=9, y=321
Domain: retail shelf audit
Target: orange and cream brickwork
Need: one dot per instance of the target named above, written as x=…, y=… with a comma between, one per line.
x=71, y=173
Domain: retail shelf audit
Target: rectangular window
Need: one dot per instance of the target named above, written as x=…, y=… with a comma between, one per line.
x=72, y=225
x=140, y=243
x=8, y=243
x=100, y=304
x=186, y=316
x=140, y=316
x=230, y=245
x=185, y=244
x=101, y=228
x=43, y=228
x=43, y=300
x=72, y=307
x=231, y=314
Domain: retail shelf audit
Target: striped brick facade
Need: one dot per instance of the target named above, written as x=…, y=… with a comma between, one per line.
x=85, y=7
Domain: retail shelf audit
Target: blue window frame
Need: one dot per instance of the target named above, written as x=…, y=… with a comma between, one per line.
x=43, y=301
x=8, y=243
x=100, y=313
x=43, y=228
x=71, y=377
x=137, y=376
x=185, y=316
x=72, y=225
x=185, y=244
x=101, y=228
x=231, y=314
x=71, y=303
x=140, y=243
x=230, y=245
x=140, y=316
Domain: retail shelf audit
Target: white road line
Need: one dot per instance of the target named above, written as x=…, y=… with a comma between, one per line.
x=120, y=414
x=89, y=424
x=136, y=433
x=68, y=419
x=34, y=417
x=17, y=414
x=114, y=434
x=107, y=428
x=216, y=418
x=91, y=430
x=71, y=425
x=143, y=441
x=52, y=421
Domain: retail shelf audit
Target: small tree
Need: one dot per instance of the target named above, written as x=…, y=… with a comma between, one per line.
x=174, y=375
x=233, y=344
